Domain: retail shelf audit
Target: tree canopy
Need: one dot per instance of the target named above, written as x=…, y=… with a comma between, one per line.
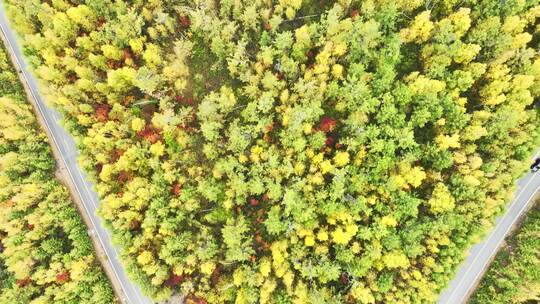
x=46, y=255
x=513, y=275
x=293, y=151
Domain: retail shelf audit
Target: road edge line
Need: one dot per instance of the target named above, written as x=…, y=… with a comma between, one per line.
x=60, y=166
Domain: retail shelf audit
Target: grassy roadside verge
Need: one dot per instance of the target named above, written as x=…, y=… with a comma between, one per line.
x=514, y=275
x=368, y=190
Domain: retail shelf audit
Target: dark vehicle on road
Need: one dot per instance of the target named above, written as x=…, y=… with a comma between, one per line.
x=536, y=165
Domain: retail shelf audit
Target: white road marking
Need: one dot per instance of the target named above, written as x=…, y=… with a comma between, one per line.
x=508, y=229
x=43, y=111
x=492, y=235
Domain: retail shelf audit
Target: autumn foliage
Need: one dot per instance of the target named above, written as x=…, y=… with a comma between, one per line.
x=46, y=255
x=294, y=151
x=513, y=275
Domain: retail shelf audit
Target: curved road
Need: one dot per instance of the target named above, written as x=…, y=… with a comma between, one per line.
x=480, y=255
x=68, y=152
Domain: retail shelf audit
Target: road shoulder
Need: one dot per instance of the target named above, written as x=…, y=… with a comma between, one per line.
x=61, y=172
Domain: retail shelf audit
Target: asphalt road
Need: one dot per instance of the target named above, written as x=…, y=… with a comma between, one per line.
x=66, y=146
x=480, y=255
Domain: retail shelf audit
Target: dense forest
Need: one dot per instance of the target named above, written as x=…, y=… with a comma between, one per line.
x=293, y=151
x=514, y=276
x=46, y=255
